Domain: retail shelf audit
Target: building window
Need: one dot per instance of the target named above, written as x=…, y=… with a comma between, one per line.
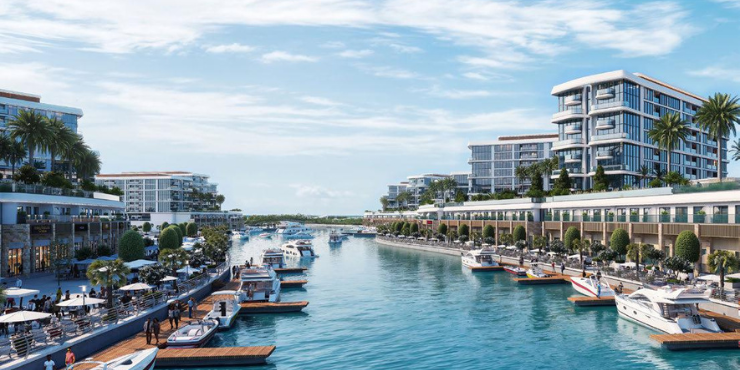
x=41, y=258
x=15, y=262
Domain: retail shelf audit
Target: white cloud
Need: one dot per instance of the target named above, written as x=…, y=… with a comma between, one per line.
x=475, y=76
x=230, y=48
x=405, y=48
x=315, y=191
x=320, y=101
x=355, y=54
x=719, y=73
x=528, y=30
x=438, y=92
x=729, y=3
x=390, y=72
x=333, y=45
x=282, y=56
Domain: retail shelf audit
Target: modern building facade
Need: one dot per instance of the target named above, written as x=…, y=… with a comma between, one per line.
x=493, y=162
x=169, y=196
x=604, y=119
x=394, y=190
x=463, y=181
x=35, y=218
x=418, y=184
x=651, y=216
x=11, y=103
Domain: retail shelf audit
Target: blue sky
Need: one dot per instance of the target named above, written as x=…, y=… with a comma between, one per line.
x=314, y=106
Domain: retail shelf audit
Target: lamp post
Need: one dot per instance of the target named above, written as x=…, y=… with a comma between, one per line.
x=84, y=289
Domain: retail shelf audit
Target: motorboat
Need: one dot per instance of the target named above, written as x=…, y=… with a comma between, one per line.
x=265, y=235
x=238, y=235
x=193, y=335
x=477, y=258
x=335, y=238
x=258, y=284
x=290, y=229
x=298, y=249
x=273, y=258
x=298, y=235
x=670, y=309
x=535, y=271
x=361, y=232
x=225, y=308
x=592, y=286
x=139, y=360
x=254, y=229
x=515, y=270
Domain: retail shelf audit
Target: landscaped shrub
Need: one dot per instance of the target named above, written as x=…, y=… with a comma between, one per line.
x=131, y=246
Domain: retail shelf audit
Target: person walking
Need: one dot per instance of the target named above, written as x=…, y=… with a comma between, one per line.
x=19, y=284
x=176, y=313
x=191, y=305
x=59, y=294
x=562, y=268
x=171, y=314
x=155, y=330
x=69, y=358
x=148, y=330
x=49, y=363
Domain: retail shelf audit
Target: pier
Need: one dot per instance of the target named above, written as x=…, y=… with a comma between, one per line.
x=292, y=283
x=689, y=341
x=290, y=270
x=584, y=301
x=210, y=357
x=487, y=268
x=271, y=307
x=553, y=279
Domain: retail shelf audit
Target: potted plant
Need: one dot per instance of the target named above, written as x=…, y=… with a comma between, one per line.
x=700, y=216
x=633, y=216
x=529, y=216
x=548, y=217
x=585, y=216
x=566, y=216
x=665, y=216
x=610, y=216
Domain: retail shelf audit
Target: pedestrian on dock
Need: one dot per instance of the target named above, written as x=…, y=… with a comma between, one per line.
x=155, y=329
x=148, y=330
x=598, y=275
x=171, y=314
x=176, y=313
x=69, y=358
x=562, y=268
x=620, y=288
x=191, y=305
x=583, y=272
x=49, y=363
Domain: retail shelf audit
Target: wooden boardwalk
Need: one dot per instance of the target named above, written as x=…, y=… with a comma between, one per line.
x=207, y=357
x=487, y=268
x=292, y=283
x=584, y=301
x=689, y=341
x=554, y=278
x=272, y=307
x=290, y=270
x=726, y=323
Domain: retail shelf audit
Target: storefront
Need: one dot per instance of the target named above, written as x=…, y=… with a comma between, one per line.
x=41, y=260
x=15, y=259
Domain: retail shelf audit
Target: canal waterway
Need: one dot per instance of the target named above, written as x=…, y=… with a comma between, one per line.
x=378, y=307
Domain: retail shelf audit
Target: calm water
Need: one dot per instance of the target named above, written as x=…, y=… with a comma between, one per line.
x=375, y=307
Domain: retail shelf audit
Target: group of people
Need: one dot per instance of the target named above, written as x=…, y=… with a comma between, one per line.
x=152, y=327
x=69, y=360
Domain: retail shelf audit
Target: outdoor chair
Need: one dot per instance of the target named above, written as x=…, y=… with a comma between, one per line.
x=39, y=338
x=54, y=332
x=20, y=345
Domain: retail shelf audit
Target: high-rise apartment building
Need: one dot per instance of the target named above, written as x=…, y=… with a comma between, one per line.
x=493, y=162
x=604, y=119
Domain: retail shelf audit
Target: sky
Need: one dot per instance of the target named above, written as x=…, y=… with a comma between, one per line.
x=315, y=106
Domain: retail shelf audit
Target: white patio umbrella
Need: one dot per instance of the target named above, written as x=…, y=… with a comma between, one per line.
x=136, y=286
x=79, y=301
x=23, y=316
x=187, y=270
x=19, y=293
x=139, y=264
x=714, y=278
x=168, y=278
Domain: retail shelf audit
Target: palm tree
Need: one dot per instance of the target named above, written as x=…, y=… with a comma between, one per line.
x=521, y=174
x=107, y=274
x=173, y=258
x=32, y=129
x=668, y=131
x=220, y=199
x=87, y=164
x=722, y=262
x=74, y=153
x=736, y=150
x=62, y=140
x=718, y=116
x=15, y=155
x=644, y=173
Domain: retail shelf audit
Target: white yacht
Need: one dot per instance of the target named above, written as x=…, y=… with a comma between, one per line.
x=225, y=308
x=335, y=238
x=535, y=271
x=672, y=310
x=193, y=335
x=479, y=258
x=258, y=284
x=238, y=235
x=139, y=360
x=290, y=229
x=298, y=249
x=592, y=287
x=273, y=258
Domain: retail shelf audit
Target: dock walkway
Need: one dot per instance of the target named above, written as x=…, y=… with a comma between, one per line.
x=689, y=341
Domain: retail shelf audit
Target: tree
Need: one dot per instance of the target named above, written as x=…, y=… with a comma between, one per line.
x=153, y=274
x=619, y=241
x=735, y=150
x=402, y=199
x=607, y=255
x=179, y=232
x=384, y=202
x=688, y=246
x=722, y=262
x=406, y=229
x=16, y=153
x=107, y=274
x=601, y=182
x=596, y=248
x=668, y=132
x=32, y=129
x=183, y=226
x=718, y=116
x=74, y=153
x=464, y=230
x=87, y=164
x=83, y=253
x=173, y=259
x=168, y=239
x=558, y=247
x=580, y=246
x=61, y=140
x=220, y=199
x=570, y=235
x=164, y=226
x=519, y=233
x=191, y=229
x=506, y=239
x=675, y=178
x=489, y=231
x=398, y=227
x=460, y=196
x=637, y=252
x=103, y=251
x=55, y=180
x=28, y=175
x=539, y=242
x=131, y=246
x=414, y=228
x=562, y=183
x=521, y=174
x=644, y=174
x=677, y=263
x=442, y=229
x=59, y=259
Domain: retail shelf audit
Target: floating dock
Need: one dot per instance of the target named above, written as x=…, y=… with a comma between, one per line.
x=293, y=283
x=583, y=301
x=555, y=279
x=689, y=341
x=272, y=307
x=487, y=268
x=210, y=357
x=290, y=270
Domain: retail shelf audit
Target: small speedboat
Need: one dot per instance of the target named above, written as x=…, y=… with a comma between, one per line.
x=335, y=238
x=298, y=235
x=139, y=360
x=299, y=249
x=515, y=270
x=265, y=235
x=225, y=308
x=591, y=286
x=535, y=271
x=238, y=235
x=193, y=335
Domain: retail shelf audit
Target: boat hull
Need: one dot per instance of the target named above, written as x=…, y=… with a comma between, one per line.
x=514, y=271
x=584, y=288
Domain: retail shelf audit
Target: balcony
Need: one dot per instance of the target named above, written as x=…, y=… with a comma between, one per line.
x=607, y=93
x=605, y=123
x=571, y=171
x=612, y=167
x=618, y=137
x=570, y=113
x=597, y=108
x=566, y=143
x=603, y=154
x=572, y=158
x=573, y=100
x=573, y=129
